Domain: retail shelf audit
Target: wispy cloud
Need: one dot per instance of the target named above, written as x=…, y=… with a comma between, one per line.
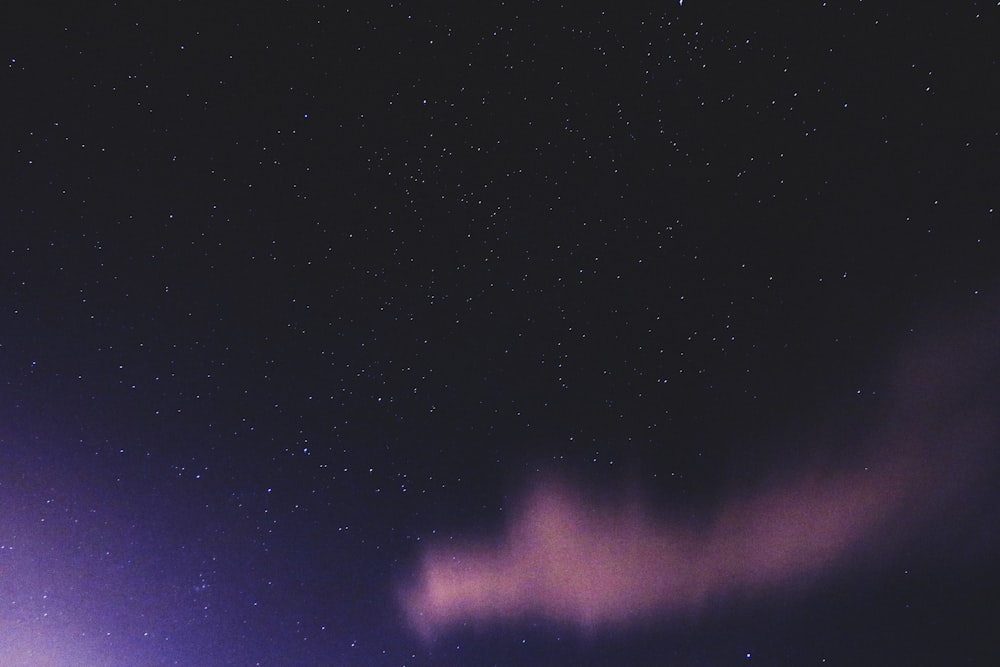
x=567, y=559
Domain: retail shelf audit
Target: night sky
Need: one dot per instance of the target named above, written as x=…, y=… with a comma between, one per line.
x=499, y=334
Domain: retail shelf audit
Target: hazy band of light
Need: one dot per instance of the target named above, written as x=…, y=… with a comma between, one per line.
x=567, y=559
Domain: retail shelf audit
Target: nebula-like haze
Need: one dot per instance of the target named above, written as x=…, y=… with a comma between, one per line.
x=573, y=561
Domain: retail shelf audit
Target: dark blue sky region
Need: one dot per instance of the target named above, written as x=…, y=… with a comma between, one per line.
x=297, y=301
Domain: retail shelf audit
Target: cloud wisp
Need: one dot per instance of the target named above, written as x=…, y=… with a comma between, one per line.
x=569, y=560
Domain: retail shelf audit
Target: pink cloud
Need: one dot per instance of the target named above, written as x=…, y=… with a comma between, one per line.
x=567, y=559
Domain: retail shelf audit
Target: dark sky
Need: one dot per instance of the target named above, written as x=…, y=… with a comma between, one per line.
x=291, y=291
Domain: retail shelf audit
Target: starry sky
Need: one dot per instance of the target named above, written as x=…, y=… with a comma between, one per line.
x=499, y=334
